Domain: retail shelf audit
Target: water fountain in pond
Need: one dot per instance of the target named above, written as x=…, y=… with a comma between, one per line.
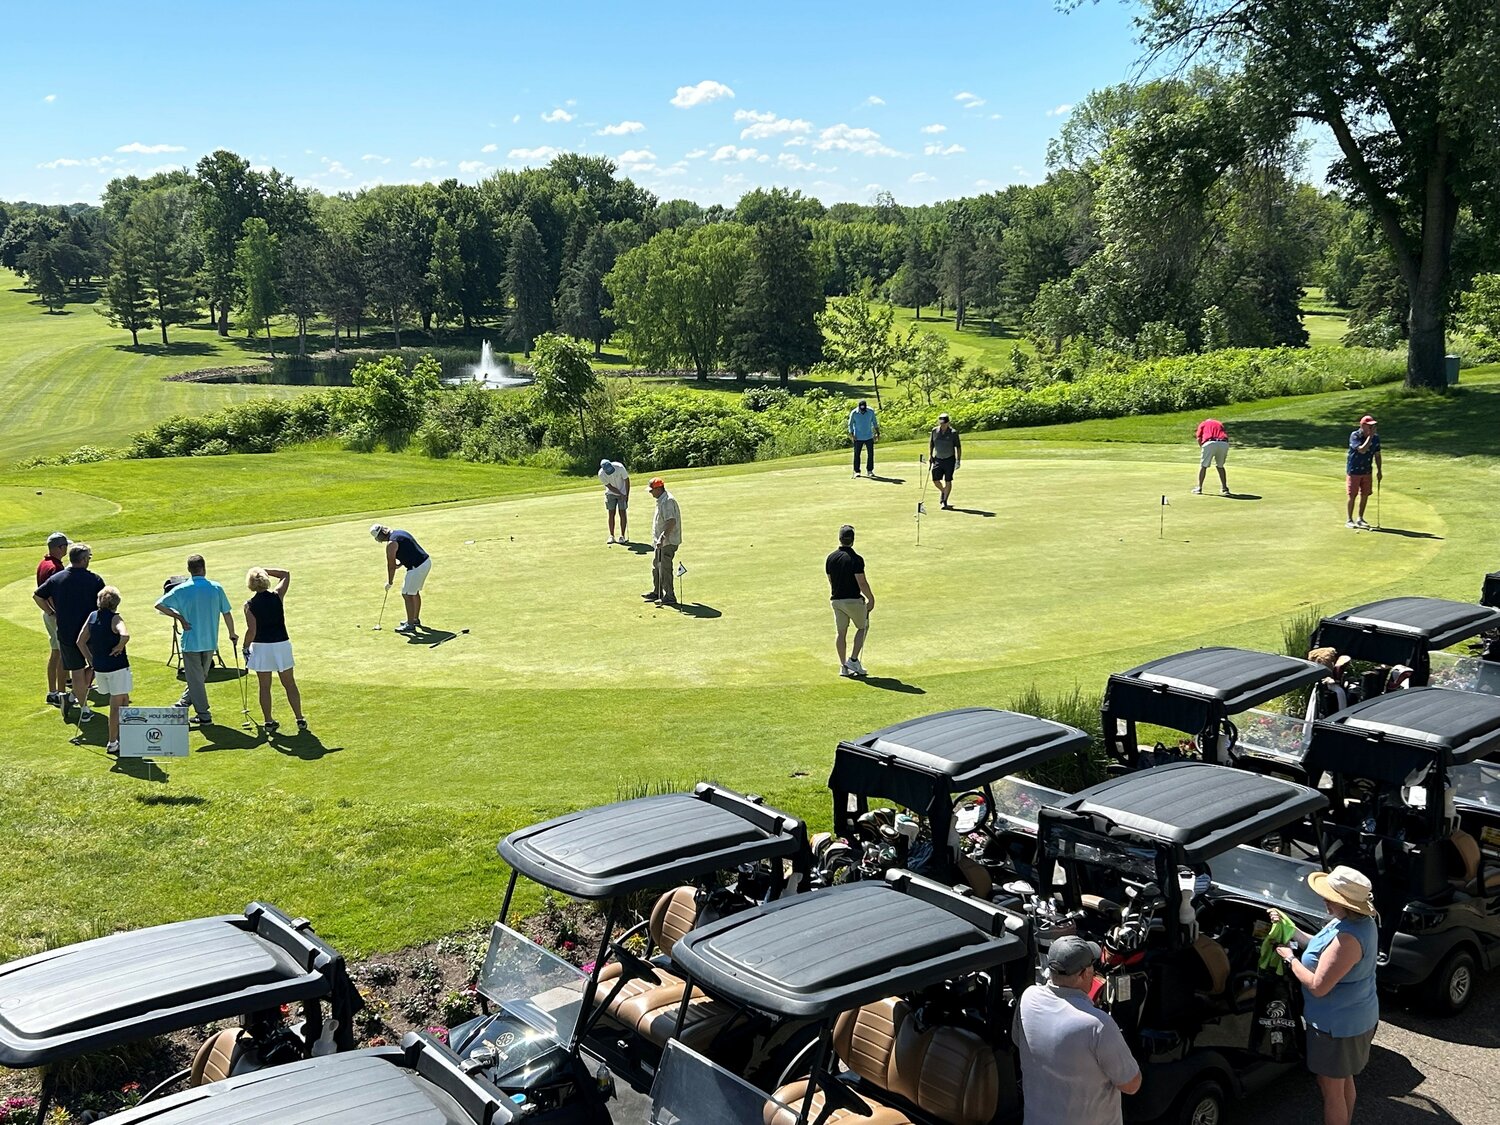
x=490, y=373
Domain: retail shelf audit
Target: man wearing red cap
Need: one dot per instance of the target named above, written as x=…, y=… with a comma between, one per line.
x=666, y=537
x=1364, y=452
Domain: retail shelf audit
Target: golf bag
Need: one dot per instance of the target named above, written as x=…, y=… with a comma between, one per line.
x=1276, y=1031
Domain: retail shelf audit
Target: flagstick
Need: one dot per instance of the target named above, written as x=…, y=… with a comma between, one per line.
x=1161, y=530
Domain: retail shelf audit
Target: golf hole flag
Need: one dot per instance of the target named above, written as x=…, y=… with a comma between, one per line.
x=681, y=570
x=921, y=508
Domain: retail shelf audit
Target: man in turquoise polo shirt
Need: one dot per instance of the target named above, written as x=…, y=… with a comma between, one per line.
x=196, y=605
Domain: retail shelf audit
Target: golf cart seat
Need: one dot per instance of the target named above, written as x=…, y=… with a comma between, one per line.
x=674, y=914
x=1464, y=874
x=945, y=1072
x=219, y=1057
x=977, y=876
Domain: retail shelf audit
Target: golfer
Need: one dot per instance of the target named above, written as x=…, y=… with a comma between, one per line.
x=666, y=537
x=402, y=549
x=616, y=482
x=864, y=430
x=265, y=630
x=1364, y=452
x=68, y=597
x=849, y=594
x=196, y=605
x=1213, y=447
x=1073, y=1055
x=52, y=563
x=102, y=640
x=1337, y=975
x=944, y=455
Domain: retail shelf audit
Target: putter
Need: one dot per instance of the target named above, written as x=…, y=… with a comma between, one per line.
x=242, y=677
x=382, y=610
x=1377, y=502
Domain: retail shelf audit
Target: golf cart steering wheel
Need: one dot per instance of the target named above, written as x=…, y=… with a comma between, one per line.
x=972, y=813
x=632, y=965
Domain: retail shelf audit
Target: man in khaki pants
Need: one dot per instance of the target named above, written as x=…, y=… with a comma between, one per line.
x=666, y=537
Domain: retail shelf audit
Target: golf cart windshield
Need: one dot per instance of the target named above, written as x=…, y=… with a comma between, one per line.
x=1465, y=673
x=536, y=987
x=1478, y=783
x=1138, y=861
x=690, y=1090
x=1018, y=802
x=1268, y=734
x=1268, y=879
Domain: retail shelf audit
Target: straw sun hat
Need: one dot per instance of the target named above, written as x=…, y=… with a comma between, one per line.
x=1345, y=886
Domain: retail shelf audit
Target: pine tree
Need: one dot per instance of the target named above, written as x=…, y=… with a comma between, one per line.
x=39, y=264
x=445, y=274
x=255, y=270
x=526, y=281
x=774, y=326
x=156, y=220
x=582, y=301
x=127, y=303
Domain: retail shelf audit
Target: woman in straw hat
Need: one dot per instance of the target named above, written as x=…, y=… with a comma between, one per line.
x=1337, y=975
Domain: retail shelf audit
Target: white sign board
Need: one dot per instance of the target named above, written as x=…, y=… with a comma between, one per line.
x=153, y=732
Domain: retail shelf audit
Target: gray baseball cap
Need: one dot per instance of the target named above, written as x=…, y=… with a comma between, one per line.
x=57, y=537
x=1071, y=954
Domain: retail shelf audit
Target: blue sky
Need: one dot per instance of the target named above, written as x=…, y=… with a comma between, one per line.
x=699, y=101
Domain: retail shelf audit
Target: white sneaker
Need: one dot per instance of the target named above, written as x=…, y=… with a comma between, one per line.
x=610, y=541
x=856, y=476
x=1197, y=492
x=404, y=627
x=846, y=671
x=112, y=748
x=857, y=668
x=1351, y=523
x=86, y=714
x=1360, y=523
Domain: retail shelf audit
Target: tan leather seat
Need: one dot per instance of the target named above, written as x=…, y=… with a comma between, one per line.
x=1467, y=868
x=218, y=1057
x=1215, y=963
x=946, y=1072
x=790, y=1099
x=674, y=914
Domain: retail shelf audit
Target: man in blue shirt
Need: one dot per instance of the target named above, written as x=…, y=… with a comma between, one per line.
x=1364, y=451
x=864, y=429
x=196, y=605
x=402, y=549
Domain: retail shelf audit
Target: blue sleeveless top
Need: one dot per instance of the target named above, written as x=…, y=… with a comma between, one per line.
x=1350, y=1007
x=102, y=638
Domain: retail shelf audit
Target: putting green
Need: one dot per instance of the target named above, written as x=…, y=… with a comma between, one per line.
x=29, y=510
x=1045, y=556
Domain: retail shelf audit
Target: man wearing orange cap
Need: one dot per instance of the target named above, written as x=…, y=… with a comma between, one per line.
x=666, y=537
x=1364, y=452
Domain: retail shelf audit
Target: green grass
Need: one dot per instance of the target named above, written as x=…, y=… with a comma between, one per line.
x=568, y=692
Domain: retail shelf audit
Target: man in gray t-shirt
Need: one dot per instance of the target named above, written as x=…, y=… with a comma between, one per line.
x=945, y=452
x=1074, y=1061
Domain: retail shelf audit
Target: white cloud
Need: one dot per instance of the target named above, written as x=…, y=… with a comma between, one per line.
x=62, y=162
x=729, y=152
x=557, y=115
x=705, y=91
x=794, y=141
x=335, y=168
x=847, y=138
x=621, y=129
x=50, y=98
x=491, y=147
x=763, y=125
x=982, y=183
x=148, y=150
x=516, y=120
x=874, y=99
x=375, y=158
x=469, y=167
x=427, y=162
x=997, y=117
x=794, y=163
x=72, y=162
x=942, y=150
x=636, y=156
x=968, y=100
x=1061, y=111
x=921, y=178
x=694, y=154
x=934, y=128
x=541, y=152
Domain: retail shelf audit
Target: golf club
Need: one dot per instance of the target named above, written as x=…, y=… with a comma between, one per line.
x=242, y=677
x=1377, y=502
x=382, y=608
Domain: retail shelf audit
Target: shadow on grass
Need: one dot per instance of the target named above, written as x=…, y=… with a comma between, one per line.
x=220, y=737
x=1404, y=533
x=1242, y=496
x=973, y=512
x=887, y=480
x=637, y=548
x=890, y=683
x=142, y=769
x=172, y=799
x=304, y=745
x=696, y=609
x=177, y=347
x=430, y=637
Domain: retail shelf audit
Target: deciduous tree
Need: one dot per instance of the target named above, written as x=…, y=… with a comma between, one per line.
x=565, y=379
x=255, y=267
x=774, y=326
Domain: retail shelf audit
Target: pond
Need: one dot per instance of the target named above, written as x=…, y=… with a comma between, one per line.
x=327, y=369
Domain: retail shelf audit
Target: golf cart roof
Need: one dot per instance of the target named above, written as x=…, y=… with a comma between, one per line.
x=651, y=842
x=814, y=955
x=953, y=750
x=1398, y=630
x=418, y=1083
x=1199, y=809
x=1189, y=690
x=1388, y=737
x=1489, y=593
x=128, y=986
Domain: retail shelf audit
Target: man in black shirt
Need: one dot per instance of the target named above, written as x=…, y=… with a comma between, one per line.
x=851, y=599
x=945, y=452
x=70, y=596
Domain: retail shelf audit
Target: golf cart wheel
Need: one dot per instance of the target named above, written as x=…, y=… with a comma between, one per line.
x=1451, y=987
x=1202, y=1103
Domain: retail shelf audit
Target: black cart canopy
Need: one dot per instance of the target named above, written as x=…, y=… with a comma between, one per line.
x=1400, y=630
x=128, y=986
x=1190, y=690
x=938, y=755
x=1489, y=594
x=418, y=1083
x=1389, y=737
x=1198, y=809
x=814, y=955
x=651, y=842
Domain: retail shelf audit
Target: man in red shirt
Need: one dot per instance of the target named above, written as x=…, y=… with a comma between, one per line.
x=57, y=680
x=1214, y=443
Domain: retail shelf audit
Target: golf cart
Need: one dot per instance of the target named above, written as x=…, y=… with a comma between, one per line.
x=1153, y=866
x=67, y=1002
x=417, y=1083
x=1398, y=763
x=1400, y=637
x=557, y=1033
x=1201, y=693
x=1489, y=593
x=904, y=980
x=951, y=770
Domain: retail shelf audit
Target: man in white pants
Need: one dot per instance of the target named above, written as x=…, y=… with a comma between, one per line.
x=1213, y=441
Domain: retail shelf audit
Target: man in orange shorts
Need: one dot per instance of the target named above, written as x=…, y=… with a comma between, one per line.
x=1364, y=453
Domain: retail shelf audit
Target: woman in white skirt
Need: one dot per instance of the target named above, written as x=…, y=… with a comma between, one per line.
x=267, y=647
